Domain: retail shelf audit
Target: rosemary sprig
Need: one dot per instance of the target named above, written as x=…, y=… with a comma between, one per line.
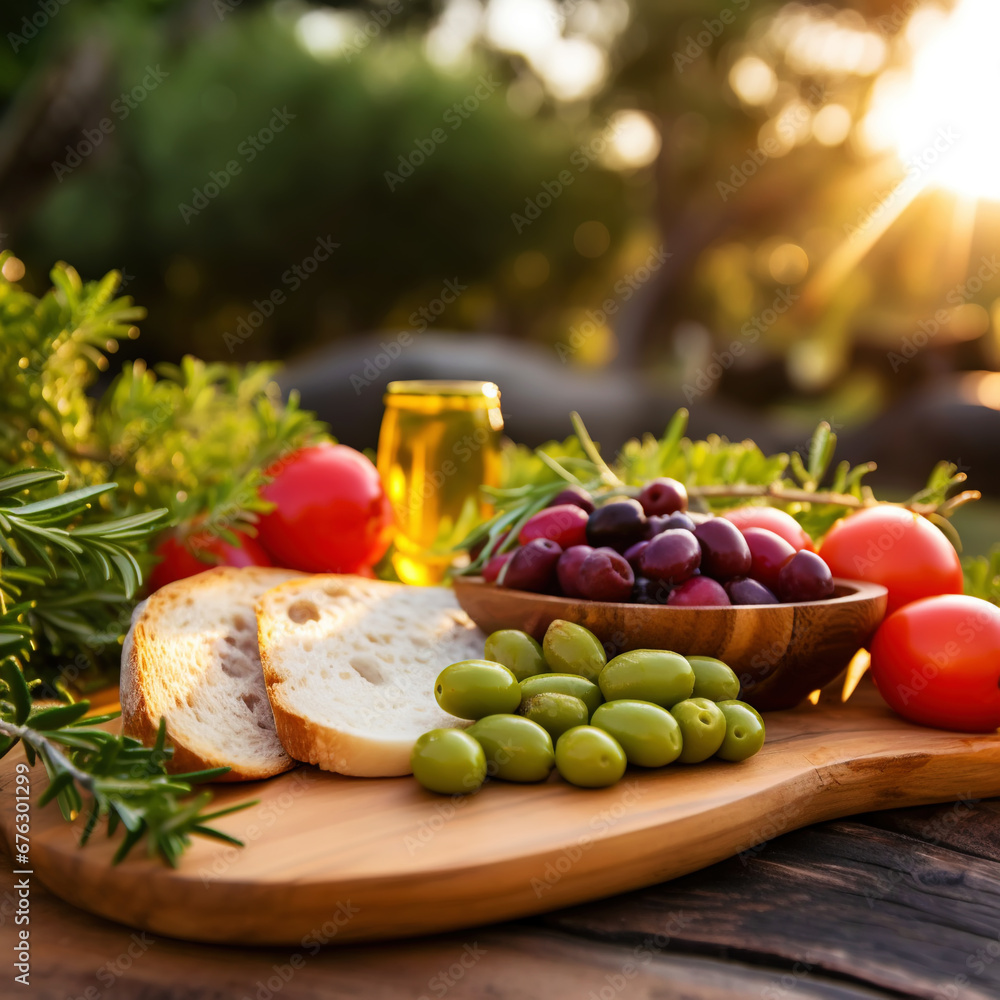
x=63, y=570
x=115, y=778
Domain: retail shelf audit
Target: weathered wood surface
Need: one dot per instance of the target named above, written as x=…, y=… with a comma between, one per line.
x=840, y=911
x=411, y=862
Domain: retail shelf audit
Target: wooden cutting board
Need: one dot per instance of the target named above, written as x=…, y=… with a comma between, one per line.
x=337, y=859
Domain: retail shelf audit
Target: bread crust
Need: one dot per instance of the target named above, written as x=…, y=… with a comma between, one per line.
x=138, y=676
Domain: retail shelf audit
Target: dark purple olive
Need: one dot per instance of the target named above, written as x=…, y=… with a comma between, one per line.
x=667, y=522
x=575, y=495
x=606, y=576
x=805, y=577
x=663, y=496
x=698, y=517
x=672, y=555
x=618, y=525
x=633, y=553
x=568, y=569
x=697, y=592
x=743, y=590
x=724, y=550
x=646, y=591
x=532, y=567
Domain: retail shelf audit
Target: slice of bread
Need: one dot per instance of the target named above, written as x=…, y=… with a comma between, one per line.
x=191, y=656
x=350, y=666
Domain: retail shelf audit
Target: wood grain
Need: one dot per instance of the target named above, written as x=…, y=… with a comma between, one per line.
x=76, y=952
x=374, y=858
x=781, y=652
x=905, y=916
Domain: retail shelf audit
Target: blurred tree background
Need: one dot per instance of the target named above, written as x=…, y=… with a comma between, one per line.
x=816, y=177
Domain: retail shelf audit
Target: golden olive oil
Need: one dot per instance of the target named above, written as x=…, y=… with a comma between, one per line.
x=440, y=441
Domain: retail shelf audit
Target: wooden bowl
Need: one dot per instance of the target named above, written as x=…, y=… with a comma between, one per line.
x=781, y=652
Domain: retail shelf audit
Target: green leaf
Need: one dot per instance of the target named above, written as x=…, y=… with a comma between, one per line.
x=14, y=482
x=821, y=449
x=17, y=689
x=75, y=501
x=61, y=715
x=56, y=785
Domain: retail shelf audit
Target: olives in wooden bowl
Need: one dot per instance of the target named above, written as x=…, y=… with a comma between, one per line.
x=780, y=652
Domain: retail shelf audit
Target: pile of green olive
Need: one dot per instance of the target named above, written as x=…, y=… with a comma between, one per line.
x=563, y=704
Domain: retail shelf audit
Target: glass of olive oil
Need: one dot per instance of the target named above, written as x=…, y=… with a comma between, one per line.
x=440, y=441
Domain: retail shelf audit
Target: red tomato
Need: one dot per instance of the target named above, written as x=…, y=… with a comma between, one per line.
x=201, y=551
x=896, y=548
x=332, y=514
x=937, y=662
x=771, y=519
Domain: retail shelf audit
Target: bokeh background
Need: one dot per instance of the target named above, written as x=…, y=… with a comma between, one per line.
x=772, y=213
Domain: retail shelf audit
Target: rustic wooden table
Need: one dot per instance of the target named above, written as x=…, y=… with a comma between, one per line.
x=895, y=904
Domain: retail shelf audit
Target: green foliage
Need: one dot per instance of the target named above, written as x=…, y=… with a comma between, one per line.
x=191, y=442
x=51, y=351
x=356, y=115
x=982, y=575
x=124, y=782
x=59, y=565
x=197, y=438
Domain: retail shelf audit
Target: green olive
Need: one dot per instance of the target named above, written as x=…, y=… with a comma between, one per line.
x=448, y=761
x=555, y=712
x=703, y=727
x=713, y=679
x=733, y=701
x=590, y=757
x=587, y=691
x=655, y=675
x=471, y=689
x=649, y=734
x=744, y=731
x=516, y=748
x=573, y=649
x=517, y=651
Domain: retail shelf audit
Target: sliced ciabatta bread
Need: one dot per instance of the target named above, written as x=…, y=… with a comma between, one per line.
x=350, y=665
x=191, y=657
